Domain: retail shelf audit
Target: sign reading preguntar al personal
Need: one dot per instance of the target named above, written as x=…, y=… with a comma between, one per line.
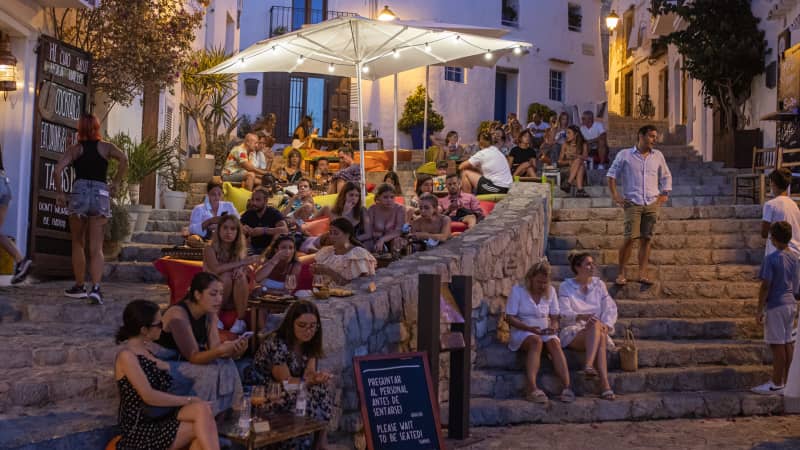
x=63, y=83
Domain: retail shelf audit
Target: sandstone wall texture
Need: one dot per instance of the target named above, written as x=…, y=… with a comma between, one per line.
x=496, y=253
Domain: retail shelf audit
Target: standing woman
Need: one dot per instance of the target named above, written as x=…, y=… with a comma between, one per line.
x=574, y=152
x=22, y=265
x=589, y=314
x=90, y=201
x=144, y=381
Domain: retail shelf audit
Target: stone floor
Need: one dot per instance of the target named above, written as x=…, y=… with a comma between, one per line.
x=685, y=434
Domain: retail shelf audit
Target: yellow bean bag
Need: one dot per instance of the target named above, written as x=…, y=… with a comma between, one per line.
x=237, y=196
x=429, y=168
x=491, y=197
x=329, y=200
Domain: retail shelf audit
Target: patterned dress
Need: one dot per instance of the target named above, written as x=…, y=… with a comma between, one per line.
x=275, y=352
x=139, y=431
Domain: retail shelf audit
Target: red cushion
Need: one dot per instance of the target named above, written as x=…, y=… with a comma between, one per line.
x=317, y=227
x=487, y=207
x=400, y=200
x=371, y=187
x=457, y=227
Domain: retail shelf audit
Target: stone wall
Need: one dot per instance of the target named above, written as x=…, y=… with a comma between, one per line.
x=496, y=253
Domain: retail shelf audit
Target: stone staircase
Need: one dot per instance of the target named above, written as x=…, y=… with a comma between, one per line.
x=700, y=349
x=623, y=131
x=57, y=388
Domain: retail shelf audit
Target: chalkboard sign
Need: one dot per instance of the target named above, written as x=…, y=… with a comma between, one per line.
x=63, y=80
x=397, y=402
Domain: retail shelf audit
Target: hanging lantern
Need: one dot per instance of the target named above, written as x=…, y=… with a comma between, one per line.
x=8, y=65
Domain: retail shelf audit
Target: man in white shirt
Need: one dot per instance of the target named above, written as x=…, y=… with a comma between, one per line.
x=487, y=171
x=594, y=133
x=538, y=128
x=263, y=157
x=781, y=208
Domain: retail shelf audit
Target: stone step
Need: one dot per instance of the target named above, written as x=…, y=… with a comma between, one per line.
x=132, y=271
x=690, y=213
x=661, y=241
x=182, y=215
x=688, y=308
x=141, y=252
x=604, y=201
x=677, y=191
x=487, y=411
x=171, y=226
x=652, y=353
x=752, y=255
x=78, y=424
x=664, y=328
x=37, y=351
x=48, y=385
x=504, y=384
x=158, y=237
x=611, y=223
x=671, y=272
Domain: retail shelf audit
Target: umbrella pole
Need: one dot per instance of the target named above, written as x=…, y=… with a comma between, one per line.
x=425, y=116
x=394, y=146
x=361, y=134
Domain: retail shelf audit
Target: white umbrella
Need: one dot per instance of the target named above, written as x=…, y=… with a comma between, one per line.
x=364, y=49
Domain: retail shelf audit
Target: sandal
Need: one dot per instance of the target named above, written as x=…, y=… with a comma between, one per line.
x=567, y=396
x=621, y=280
x=608, y=395
x=566, y=186
x=581, y=194
x=589, y=373
x=537, y=396
x=645, y=280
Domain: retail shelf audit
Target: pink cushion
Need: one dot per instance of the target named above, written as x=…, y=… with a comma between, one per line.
x=487, y=207
x=457, y=227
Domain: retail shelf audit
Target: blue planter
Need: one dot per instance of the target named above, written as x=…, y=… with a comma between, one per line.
x=416, y=137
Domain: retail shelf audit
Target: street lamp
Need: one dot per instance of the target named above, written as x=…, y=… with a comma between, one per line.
x=386, y=15
x=612, y=20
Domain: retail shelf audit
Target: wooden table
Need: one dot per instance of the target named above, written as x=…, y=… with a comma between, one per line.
x=255, y=305
x=335, y=143
x=283, y=427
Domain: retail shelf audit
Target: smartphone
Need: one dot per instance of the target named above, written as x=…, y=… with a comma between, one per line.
x=246, y=335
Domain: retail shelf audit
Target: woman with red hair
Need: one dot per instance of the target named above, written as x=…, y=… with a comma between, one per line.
x=89, y=202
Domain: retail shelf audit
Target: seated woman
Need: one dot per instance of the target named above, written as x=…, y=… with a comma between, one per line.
x=451, y=150
x=588, y=314
x=424, y=186
x=336, y=131
x=386, y=218
x=301, y=205
x=574, y=152
x=500, y=140
x=144, y=382
x=293, y=170
x=289, y=356
x=532, y=312
x=227, y=258
x=281, y=262
x=392, y=179
x=349, y=205
x=192, y=339
x=522, y=159
x=207, y=215
x=345, y=259
x=431, y=228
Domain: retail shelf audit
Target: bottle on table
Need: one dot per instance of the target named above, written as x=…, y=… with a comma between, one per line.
x=244, y=415
x=302, y=400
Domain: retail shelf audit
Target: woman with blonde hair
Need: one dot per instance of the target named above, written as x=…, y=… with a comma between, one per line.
x=533, y=313
x=227, y=258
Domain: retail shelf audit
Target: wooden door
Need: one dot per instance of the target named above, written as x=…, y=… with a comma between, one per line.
x=627, y=93
x=276, y=100
x=338, y=97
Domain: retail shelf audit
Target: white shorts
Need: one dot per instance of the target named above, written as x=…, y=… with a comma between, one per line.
x=779, y=324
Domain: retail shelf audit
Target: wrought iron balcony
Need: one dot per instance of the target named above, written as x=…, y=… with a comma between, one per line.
x=283, y=19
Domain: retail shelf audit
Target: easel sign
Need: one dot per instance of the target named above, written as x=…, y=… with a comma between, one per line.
x=397, y=403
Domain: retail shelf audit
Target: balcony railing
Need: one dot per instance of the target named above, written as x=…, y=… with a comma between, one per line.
x=284, y=19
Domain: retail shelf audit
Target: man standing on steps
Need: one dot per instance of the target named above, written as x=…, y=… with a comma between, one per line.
x=646, y=184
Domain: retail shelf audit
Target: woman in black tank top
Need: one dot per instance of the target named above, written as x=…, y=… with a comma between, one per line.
x=89, y=202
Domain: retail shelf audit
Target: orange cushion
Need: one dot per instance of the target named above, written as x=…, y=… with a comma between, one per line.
x=179, y=274
x=400, y=200
x=112, y=444
x=317, y=227
x=487, y=207
x=456, y=227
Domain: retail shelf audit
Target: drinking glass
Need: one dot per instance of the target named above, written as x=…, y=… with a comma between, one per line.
x=258, y=398
x=290, y=283
x=274, y=391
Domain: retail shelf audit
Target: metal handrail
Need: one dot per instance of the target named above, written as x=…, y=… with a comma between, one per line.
x=285, y=19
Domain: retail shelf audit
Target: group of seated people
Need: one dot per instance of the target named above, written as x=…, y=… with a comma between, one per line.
x=177, y=377
x=509, y=150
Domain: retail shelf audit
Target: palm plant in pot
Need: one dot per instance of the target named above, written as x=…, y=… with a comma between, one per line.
x=119, y=228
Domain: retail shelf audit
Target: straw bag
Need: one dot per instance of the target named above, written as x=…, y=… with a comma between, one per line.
x=503, y=331
x=628, y=353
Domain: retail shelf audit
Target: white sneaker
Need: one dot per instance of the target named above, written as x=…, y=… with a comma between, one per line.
x=239, y=327
x=768, y=388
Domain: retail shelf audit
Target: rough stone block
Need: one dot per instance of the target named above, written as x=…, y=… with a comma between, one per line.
x=721, y=404
x=49, y=356
x=14, y=358
x=29, y=393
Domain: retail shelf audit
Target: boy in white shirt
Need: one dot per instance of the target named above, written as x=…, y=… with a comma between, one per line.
x=594, y=133
x=781, y=208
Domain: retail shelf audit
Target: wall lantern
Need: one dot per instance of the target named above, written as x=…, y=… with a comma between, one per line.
x=612, y=20
x=8, y=66
x=386, y=15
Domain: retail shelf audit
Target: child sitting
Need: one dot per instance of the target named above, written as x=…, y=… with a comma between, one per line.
x=777, y=306
x=440, y=180
x=431, y=227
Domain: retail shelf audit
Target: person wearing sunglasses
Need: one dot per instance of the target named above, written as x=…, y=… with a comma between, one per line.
x=289, y=355
x=149, y=416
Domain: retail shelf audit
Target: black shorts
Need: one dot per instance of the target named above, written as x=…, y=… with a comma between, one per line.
x=487, y=187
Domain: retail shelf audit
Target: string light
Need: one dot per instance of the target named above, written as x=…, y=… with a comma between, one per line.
x=458, y=38
x=301, y=59
x=395, y=53
x=241, y=61
x=365, y=69
x=427, y=47
x=331, y=67
x=517, y=50
x=488, y=54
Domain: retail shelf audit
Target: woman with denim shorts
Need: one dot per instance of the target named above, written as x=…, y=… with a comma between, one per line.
x=89, y=202
x=22, y=265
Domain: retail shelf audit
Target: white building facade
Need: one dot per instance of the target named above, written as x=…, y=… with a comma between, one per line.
x=564, y=70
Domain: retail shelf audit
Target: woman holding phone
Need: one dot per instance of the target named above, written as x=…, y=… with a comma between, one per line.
x=532, y=312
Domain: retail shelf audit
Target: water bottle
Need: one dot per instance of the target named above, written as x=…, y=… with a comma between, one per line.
x=302, y=400
x=244, y=415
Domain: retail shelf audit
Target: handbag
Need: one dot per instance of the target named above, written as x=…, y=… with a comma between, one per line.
x=503, y=330
x=628, y=353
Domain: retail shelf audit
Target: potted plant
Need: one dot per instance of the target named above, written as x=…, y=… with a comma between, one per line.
x=177, y=180
x=117, y=231
x=411, y=121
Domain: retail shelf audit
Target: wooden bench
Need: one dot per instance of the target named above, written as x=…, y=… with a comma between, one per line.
x=283, y=427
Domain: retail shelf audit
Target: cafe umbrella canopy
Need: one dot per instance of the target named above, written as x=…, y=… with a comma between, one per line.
x=364, y=49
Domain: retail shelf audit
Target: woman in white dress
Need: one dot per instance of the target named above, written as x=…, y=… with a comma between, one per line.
x=588, y=314
x=532, y=312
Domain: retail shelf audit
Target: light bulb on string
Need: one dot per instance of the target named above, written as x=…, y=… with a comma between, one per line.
x=274, y=48
x=395, y=53
x=488, y=54
x=428, y=47
x=301, y=59
x=458, y=38
x=517, y=50
x=331, y=67
x=240, y=62
x=365, y=69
